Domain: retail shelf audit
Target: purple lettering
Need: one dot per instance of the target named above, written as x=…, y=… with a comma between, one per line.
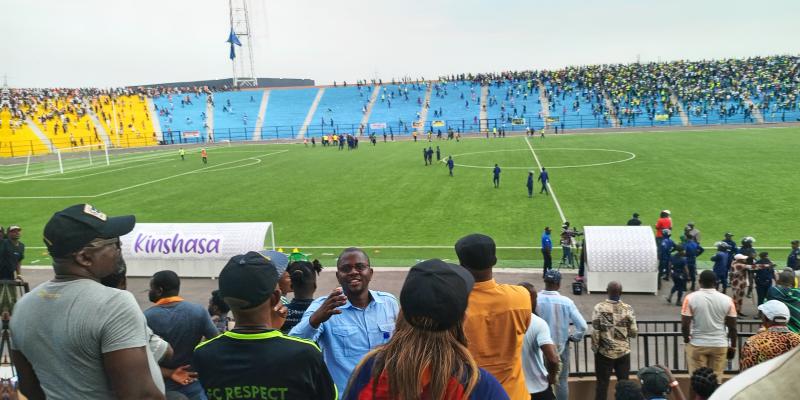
x=176, y=244
x=137, y=247
x=191, y=246
x=213, y=246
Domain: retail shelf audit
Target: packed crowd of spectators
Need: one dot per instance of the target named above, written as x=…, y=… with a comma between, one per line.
x=454, y=332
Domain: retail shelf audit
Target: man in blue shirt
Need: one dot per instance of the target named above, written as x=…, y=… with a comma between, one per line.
x=496, y=177
x=352, y=320
x=559, y=312
x=721, y=265
x=544, y=178
x=680, y=273
x=547, y=249
x=182, y=324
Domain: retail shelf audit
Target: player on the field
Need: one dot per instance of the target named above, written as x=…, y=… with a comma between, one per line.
x=204, y=155
x=450, y=165
x=496, y=178
x=182, y=152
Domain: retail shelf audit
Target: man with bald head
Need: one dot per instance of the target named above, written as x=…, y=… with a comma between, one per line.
x=785, y=292
x=614, y=324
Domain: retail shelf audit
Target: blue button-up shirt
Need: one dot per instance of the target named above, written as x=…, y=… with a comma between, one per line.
x=559, y=311
x=347, y=337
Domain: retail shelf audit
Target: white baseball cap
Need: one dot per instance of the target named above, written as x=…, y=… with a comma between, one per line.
x=775, y=310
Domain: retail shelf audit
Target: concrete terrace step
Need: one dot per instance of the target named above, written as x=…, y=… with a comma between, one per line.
x=545, y=103
x=311, y=111
x=101, y=131
x=38, y=132
x=423, y=113
x=612, y=113
x=756, y=111
x=372, y=98
x=262, y=111
x=154, y=118
x=484, y=127
x=681, y=110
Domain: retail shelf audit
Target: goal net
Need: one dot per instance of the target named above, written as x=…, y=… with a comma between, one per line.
x=68, y=159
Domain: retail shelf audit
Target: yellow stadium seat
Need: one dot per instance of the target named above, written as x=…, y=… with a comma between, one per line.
x=17, y=139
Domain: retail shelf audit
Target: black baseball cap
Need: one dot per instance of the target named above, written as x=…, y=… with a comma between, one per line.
x=476, y=251
x=247, y=280
x=72, y=228
x=435, y=295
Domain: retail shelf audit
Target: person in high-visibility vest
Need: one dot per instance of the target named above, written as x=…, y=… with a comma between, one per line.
x=182, y=153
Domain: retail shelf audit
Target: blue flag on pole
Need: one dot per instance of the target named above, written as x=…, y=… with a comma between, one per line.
x=233, y=40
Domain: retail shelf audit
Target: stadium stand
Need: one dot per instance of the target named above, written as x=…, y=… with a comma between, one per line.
x=753, y=90
x=396, y=107
x=457, y=103
x=236, y=113
x=286, y=111
x=340, y=110
x=16, y=138
x=190, y=116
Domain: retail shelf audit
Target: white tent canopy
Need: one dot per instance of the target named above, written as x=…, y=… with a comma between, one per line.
x=191, y=250
x=626, y=254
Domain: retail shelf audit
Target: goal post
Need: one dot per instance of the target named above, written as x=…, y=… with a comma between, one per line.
x=69, y=158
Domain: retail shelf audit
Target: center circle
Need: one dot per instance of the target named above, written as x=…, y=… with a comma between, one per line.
x=628, y=156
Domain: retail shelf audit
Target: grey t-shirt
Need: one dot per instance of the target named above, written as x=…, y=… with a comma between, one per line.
x=64, y=328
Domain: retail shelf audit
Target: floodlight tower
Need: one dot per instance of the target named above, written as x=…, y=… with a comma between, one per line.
x=244, y=71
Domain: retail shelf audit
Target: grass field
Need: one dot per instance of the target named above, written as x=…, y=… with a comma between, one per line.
x=384, y=197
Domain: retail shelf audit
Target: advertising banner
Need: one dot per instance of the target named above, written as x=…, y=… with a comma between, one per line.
x=191, y=249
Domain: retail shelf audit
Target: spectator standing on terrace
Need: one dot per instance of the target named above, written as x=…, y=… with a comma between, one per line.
x=182, y=324
x=497, y=317
x=705, y=315
x=12, y=252
x=496, y=176
x=776, y=340
x=785, y=292
x=793, y=260
x=352, y=320
x=544, y=177
x=540, y=360
x=559, y=312
x=218, y=310
x=547, y=250
x=635, y=220
x=430, y=342
x=303, y=276
x=613, y=325
x=72, y=337
x=255, y=361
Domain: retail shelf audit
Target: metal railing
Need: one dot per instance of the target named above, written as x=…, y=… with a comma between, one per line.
x=658, y=342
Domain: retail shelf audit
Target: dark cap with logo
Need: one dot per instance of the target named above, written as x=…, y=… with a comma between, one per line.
x=247, y=280
x=72, y=228
x=435, y=295
x=476, y=251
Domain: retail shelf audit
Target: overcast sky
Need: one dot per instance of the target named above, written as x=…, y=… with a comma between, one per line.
x=72, y=43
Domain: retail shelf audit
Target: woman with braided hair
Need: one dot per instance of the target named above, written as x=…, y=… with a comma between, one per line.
x=704, y=383
x=303, y=276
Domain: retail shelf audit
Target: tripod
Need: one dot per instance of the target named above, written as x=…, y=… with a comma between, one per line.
x=10, y=291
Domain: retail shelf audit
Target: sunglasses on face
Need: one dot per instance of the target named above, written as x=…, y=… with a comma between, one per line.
x=105, y=242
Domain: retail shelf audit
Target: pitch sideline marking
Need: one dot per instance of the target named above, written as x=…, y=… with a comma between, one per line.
x=136, y=185
x=549, y=186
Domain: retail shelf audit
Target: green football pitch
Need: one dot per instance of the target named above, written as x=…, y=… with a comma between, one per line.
x=386, y=200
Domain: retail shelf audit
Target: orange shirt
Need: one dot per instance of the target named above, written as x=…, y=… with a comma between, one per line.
x=203, y=153
x=663, y=223
x=496, y=320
